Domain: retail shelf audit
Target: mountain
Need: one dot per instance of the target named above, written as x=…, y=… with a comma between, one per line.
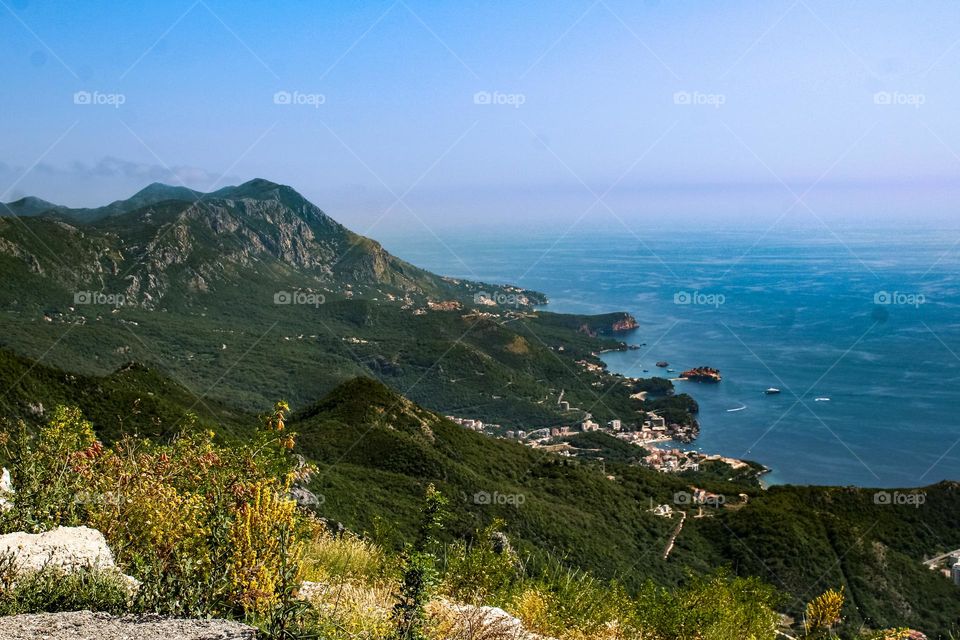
x=252, y=293
x=152, y=194
x=29, y=206
x=171, y=245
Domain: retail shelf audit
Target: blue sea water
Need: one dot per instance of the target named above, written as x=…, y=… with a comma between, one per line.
x=868, y=319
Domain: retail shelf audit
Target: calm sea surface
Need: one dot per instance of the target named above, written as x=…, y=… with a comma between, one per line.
x=868, y=320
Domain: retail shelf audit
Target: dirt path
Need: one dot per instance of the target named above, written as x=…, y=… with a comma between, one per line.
x=673, y=536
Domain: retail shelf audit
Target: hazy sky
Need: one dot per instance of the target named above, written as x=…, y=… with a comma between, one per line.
x=405, y=112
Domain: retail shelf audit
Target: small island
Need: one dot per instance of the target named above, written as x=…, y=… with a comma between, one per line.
x=702, y=374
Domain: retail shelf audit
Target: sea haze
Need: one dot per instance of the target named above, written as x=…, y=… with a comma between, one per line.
x=867, y=319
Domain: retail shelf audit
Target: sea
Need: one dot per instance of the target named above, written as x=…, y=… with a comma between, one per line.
x=858, y=329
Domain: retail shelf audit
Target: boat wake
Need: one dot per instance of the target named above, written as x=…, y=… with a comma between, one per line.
x=736, y=409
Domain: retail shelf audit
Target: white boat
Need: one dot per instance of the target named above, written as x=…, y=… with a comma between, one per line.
x=821, y=399
x=772, y=391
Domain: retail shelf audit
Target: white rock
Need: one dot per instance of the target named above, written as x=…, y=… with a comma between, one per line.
x=6, y=490
x=309, y=590
x=469, y=621
x=65, y=549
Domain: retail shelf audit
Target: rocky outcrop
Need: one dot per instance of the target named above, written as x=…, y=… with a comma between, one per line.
x=64, y=549
x=628, y=323
x=84, y=625
x=466, y=621
x=607, y=324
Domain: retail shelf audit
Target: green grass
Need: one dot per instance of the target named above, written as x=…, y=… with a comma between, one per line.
x=53, y=591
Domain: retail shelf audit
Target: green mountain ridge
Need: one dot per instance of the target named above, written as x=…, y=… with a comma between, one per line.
x=258, y=281
x=376, y=451
x=133, y=400
x=168, y=245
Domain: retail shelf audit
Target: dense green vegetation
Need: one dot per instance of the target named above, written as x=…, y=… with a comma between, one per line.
x=376, y=452
x=800, y=540
x=209, y=530
x=602, y=447
x=132, y=400
x=504, y=372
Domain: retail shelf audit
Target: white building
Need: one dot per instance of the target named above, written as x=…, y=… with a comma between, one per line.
x=616, y=425
x=663, y=510
x=589, y=425
x=656, y=422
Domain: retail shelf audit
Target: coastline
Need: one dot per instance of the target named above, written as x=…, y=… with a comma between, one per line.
x=763, y=473
x=798, y=449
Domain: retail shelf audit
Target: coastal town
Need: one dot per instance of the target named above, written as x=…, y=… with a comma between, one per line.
x=650, y=432
x=948, y=564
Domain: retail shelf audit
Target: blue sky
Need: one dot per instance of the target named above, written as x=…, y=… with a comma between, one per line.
x=485, y=113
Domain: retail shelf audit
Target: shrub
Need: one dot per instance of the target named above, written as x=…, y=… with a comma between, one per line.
x=353, y=610
x=42, y=470
x=483, y=570
x=205, y=527
x=564, y=602
x=54, y=590
x=716, y=607
x=532, y=607
x=419, y=570
x=823, y=612
x=258, y=529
